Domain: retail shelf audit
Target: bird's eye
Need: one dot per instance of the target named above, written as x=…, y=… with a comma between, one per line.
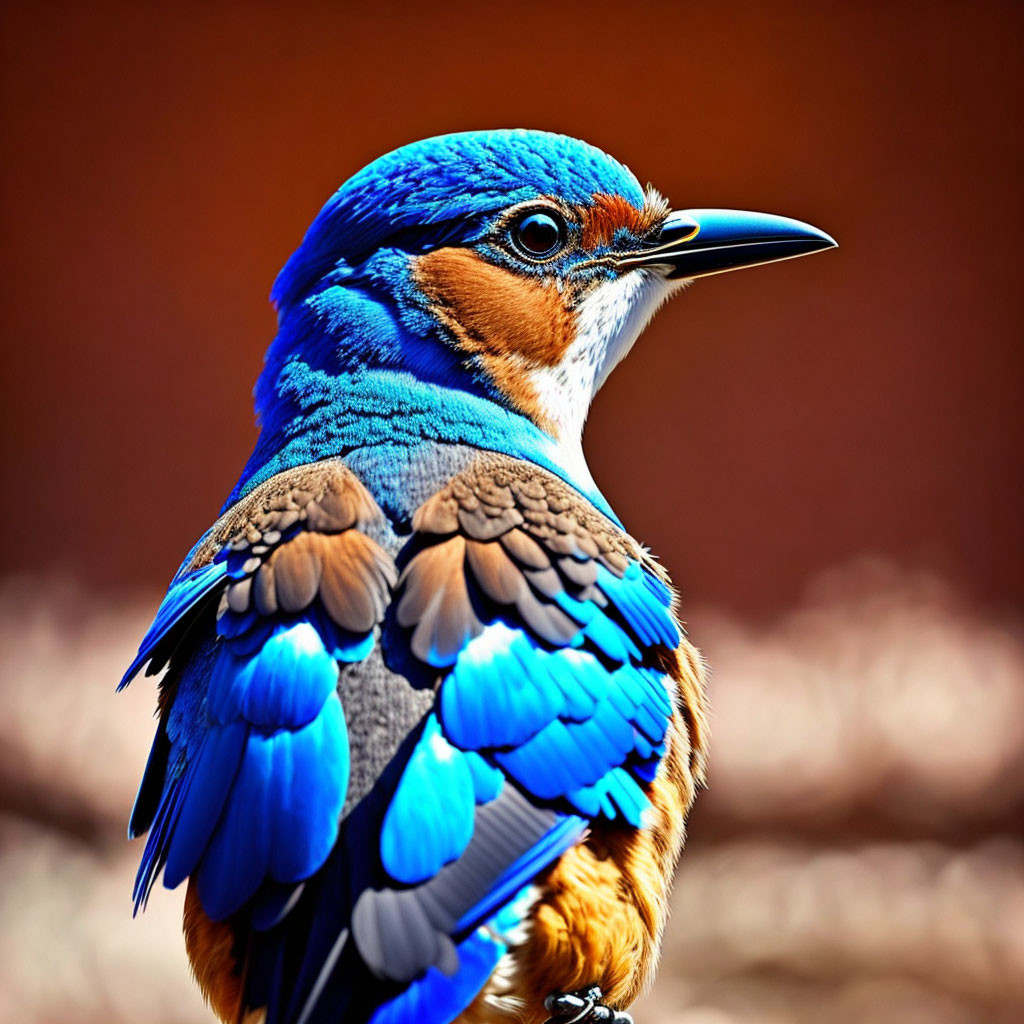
x=539, y=235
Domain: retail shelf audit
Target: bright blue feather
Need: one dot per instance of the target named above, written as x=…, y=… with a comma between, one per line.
x=311, y=774
x=281, y=818
x=487, y=780
x=237, y=856
x=429, y=821
x=658, y=588
x=284, y=684
x=184, y=593
x=615, y=794
x=655, y=690
x=640, y=605
x=267, y=767
x=608, y=638
x=436, y=998
x=490, y=698
x=561, y=722
x=208, y=783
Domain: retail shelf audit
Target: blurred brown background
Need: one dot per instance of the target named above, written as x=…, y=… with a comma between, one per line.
x=826, y=453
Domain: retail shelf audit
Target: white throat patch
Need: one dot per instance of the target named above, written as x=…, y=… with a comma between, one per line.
x=609, y=320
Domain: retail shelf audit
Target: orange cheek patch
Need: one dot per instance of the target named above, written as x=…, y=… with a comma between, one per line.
x=511, y=322
x=608, y=214
x=495, y=311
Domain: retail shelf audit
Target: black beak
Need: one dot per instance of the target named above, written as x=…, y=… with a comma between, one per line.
x=696, y=243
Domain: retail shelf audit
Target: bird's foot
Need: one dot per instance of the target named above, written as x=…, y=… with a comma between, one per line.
x=584, y=1006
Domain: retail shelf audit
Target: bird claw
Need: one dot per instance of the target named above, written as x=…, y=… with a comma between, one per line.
x=584, y=1006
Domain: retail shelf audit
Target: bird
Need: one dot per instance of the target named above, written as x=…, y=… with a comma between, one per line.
x=429, y=725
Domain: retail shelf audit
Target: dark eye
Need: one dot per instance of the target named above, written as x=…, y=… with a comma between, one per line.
x=539, y=235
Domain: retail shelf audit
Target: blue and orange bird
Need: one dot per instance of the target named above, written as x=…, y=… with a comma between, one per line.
x=429, y=729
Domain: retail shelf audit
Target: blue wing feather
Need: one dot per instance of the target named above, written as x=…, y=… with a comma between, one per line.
x=210, y=778
x=282, y=812
x=184, y=594
x=487, y=780
x=266, y=765
x=311, y=773
x=641, y=605
x=235, y=858
x=284, y=684
x=429, y=821
x=562, y=722
x=155, y=853
x=615, y=794
x=436, y=998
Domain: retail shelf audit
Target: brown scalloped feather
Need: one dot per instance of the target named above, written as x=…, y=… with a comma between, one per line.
x=434, y=567
x=516, y=534
x=525, y=550
x=500, y=491
x=499, y=577
x=264, y=591
x=303, y=533
x=327, y=496
x=357, y=578
x=295, y=569
x=436, y=602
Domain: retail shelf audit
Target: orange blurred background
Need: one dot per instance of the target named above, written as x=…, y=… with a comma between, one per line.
x=826, y=453
x=162, y=161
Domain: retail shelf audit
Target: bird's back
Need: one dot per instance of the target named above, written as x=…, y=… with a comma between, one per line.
x=506, y=662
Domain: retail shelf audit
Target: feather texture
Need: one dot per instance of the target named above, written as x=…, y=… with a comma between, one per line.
x=253, y=747
x=542, y=623
x=363, y=772
x=545, y=610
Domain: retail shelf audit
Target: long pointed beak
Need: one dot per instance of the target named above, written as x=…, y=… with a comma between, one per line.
x=696, y=243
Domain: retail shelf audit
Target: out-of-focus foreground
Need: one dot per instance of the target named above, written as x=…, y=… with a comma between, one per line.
x=857, y=857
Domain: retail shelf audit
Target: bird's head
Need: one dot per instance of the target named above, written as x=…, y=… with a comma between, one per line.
x=516, y=266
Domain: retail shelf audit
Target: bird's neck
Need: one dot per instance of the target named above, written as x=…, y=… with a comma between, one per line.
x=403, y=435
x=359, y=372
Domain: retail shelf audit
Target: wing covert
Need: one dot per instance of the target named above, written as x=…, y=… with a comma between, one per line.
x=544, y=621
x=543, y=626
x=252, y=753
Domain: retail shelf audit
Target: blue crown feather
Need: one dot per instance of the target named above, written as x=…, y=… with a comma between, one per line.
x=443, y=189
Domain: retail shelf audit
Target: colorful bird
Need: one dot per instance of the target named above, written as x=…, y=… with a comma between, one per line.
x=429, y=728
